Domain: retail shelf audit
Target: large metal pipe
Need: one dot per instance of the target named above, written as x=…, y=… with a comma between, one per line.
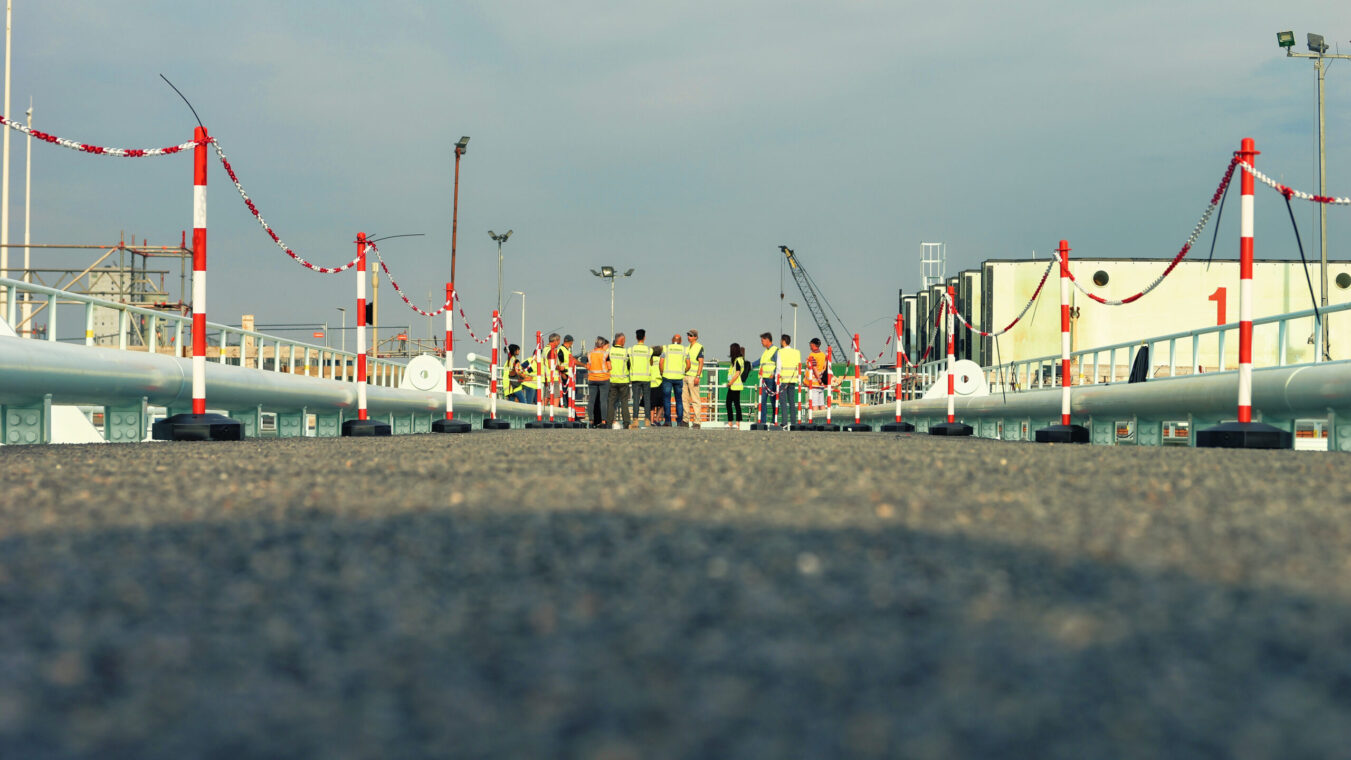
x=30, y=370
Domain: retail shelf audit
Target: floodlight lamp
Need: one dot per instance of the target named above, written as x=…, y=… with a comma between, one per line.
x=629, y=273
x=1316, y=43
x=607, y=271
x=462, y=145
x=509, y=233
x=595, y=273
x=1285, y=39
x=492, y=234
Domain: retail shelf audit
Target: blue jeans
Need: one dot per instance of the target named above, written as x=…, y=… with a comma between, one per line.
x=530, y=395
x=767, y=401
x=788, y=403
x=674, y=389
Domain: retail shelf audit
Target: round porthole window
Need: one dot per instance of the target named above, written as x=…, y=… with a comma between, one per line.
x=1344, y=280
x=1100, y=278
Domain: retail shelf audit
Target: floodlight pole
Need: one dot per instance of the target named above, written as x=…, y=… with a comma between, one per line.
x=1320, y=68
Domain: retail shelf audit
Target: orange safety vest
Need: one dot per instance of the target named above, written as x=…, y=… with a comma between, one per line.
x=595, y=365
x=816, y=362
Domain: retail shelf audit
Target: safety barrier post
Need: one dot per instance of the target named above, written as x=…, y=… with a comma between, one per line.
x=898, y=426
x=1245, y=434
x=572, y=422
x=554, y=390
x=1064, y=432
x=450, y=424
x=542, y=380
x=492, y=423
x=362, y=426
x=951, y=427
x=858, y=426
x=198, y=426
x=828, y=426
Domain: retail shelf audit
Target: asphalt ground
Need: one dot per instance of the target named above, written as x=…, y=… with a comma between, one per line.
x=617, y=595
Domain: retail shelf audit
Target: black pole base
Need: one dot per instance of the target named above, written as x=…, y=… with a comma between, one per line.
x=540, y=425
x=365, y=429
x=806, y=427
x=859, y=427
x=491, y=424
x=827, y=427
x=1062, y=434
x=451, y=426
x=950, y=429
x=764, y=426
x=573, y=425
x=197, y=427
x=897, y=427
x=1243, y=435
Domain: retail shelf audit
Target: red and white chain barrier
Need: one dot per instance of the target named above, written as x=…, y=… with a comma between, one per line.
x=98, y=150
x=253, y=209
x=1016, y=320
x=1191, y=240
x=399, y=290
x=1290, y=192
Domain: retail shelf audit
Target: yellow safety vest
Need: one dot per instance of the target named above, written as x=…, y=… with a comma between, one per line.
x=532, y=370
x=738, y=365
x=674, y=356
x=565, y=360
x=790, y=365
x=507, y=390
x=619, y=365
x=640, y=363
x=767, y=362
x=696, y=350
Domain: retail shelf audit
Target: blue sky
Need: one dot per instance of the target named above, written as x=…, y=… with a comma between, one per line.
x=686, y=140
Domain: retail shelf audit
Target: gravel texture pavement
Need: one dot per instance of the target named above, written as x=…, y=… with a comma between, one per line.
x=616, y=595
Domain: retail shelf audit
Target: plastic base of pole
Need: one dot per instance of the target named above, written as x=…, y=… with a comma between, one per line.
x=365, y=429
x=764, y=426
x=197, y=427
x=950, y=429
x=490, y=424
x=897, y=427
x=859, y=427
x=1243, y=435
x=827, y=427
x=1062, y=434
x=806, y=427
x=540, y=425
x=573, y=425
x=451, y=426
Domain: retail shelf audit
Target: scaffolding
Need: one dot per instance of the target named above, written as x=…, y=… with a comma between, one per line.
x=933, y=263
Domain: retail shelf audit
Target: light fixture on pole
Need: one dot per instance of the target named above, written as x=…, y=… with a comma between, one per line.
x=460, y=148
x=1318, y=51
x=609, y=273
x=342, y=329
x=790, y=303
x=500, y=240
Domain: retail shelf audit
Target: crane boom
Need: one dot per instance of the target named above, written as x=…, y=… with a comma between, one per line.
x=804, y=284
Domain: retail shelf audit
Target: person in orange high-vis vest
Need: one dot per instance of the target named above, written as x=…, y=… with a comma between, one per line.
x=816, y=374
x=598, y=381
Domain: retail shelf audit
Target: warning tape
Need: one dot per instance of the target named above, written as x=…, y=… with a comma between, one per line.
x=98, y=150
x=1290, y=192
x=1191, y=239
x=253, y=209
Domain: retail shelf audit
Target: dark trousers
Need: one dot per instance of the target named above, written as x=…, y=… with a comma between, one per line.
x=768, y=400
x=619, y=403
x=733, y=405
x=641, y=397
x=600, y=398
x=788, y=403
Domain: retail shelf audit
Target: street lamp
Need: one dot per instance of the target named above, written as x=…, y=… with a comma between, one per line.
x=500, y=240
x=608, y=273
x=343, y=329
x=1318, y=51
x=790, y=303
x=455, y=204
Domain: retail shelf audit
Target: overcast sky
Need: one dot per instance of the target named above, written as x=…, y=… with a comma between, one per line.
x=686, y=140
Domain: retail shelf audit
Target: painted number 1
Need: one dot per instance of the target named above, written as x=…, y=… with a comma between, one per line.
x=1219, y=298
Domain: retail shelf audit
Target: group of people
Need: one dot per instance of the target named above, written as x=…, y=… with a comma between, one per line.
x=625, y=380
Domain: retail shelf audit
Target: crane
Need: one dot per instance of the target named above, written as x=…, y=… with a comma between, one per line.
x=807, y=286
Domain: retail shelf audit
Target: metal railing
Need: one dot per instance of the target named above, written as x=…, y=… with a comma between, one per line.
x=1105, y=365
x=163, y=334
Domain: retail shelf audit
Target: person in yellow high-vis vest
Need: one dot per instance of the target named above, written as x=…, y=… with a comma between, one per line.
x=674, y=363
x=790, y=374
x=766, y=366
x=530, y=371
x=694, y=403
x=641, y=369
x=619, y=383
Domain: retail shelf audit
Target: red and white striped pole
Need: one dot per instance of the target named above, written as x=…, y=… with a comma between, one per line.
x=952, y=356
x=554, y=389
x=1247, y=155
x=541, y=377
x=199, y=273
x=1065, y=333
x=572, y=388
x=830, y=372
x=899, y=426
x=858, y=426
x=361, y=326
x=857, y=376
x=492, y=372
x=450, y=424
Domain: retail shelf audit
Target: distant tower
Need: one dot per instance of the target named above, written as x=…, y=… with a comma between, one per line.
x=933, y=262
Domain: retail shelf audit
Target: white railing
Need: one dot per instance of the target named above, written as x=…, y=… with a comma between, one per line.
x=163, y=334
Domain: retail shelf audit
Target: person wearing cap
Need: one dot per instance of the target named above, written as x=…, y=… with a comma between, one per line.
x=598, y=381
x=693, y=401
x=674, y=362
x=640, y=374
